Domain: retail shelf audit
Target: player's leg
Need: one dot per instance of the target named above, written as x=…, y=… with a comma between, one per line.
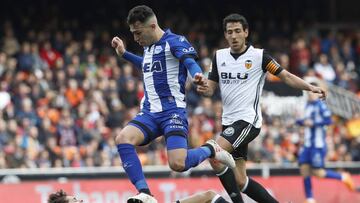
x=247, y=185
x=228, y=180
x=230, y=136
x=180, y=158
x=138, y=132
x=175, y=129
x=203, y=197
x=318, y=165
x=305, y=171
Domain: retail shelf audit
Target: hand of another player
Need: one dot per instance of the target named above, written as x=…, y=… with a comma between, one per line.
x=308, y=123
x=201, y=82
x=318, y=90
x=200, y=79
x=118, y=44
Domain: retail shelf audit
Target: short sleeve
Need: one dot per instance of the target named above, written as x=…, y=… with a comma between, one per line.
x=213, y=73
x=269, y=64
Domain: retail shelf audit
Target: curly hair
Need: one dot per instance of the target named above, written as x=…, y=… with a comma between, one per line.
x=58, y=197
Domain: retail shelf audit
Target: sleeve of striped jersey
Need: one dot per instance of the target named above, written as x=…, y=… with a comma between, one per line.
x=135, y=59
x=213, y=73
x=192, y=66
x=325, y=116
x=182, y=49
x=269, y=64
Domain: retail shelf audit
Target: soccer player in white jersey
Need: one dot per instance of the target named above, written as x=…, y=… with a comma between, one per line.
x=313, y=152
x=165, y=63
x=240, y=72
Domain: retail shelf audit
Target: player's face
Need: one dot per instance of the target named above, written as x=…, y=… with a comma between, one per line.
x=143, y=33
x=236, y=36
x=72, y=199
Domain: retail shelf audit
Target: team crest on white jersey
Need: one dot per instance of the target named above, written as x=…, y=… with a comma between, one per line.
x=248, y=64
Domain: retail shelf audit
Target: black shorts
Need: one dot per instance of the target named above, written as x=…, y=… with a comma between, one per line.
x=240, y=134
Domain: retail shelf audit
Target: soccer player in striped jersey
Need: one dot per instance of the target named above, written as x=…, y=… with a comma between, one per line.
x=313, y=152
x=240, y=72
x=165, y=64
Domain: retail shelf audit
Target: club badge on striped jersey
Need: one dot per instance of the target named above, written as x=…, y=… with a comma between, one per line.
x=248, y=64
x=229, y=131
x=158, y=49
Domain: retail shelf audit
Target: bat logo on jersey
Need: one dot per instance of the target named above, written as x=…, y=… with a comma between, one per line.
x=248, y=64
x=229, y=131
x=155, y=66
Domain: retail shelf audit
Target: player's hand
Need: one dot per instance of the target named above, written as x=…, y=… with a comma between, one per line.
x=320, y=91
x=118, y=44
x=199, y=79
x=308, y=123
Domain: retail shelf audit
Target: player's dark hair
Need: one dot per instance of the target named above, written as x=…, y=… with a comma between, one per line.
x=140, y=13
x=58, y=197
x=234, y=18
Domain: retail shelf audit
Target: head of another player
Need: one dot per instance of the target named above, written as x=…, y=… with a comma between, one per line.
x=61, y=197
x=236, y=30
x=143, y=24
x=312, y=96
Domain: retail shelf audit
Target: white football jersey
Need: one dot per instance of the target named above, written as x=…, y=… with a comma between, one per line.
x=241, y=78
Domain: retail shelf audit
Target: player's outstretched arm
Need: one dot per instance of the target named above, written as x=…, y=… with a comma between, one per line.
x=296, y=82
x=119, y=47
x=204, y=86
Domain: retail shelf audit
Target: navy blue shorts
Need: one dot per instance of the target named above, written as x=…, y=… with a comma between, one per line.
x=167, y=123
x=315, y=157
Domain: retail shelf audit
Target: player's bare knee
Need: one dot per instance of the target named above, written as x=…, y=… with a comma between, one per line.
x=123, y=138
x=177, y=165
x=318, y=173
x=216, y=165
x=305, y=170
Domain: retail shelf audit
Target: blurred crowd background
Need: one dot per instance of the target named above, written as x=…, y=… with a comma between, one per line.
x=64, y=94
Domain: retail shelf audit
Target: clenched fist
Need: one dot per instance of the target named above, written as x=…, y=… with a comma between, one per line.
x=118, y=44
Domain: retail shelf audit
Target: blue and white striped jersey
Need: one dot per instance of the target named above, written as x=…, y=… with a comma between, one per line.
x=165, y=74
x=320, y=115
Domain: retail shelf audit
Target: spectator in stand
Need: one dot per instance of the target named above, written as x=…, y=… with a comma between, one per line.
x=325, y=69
x=49, y=55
